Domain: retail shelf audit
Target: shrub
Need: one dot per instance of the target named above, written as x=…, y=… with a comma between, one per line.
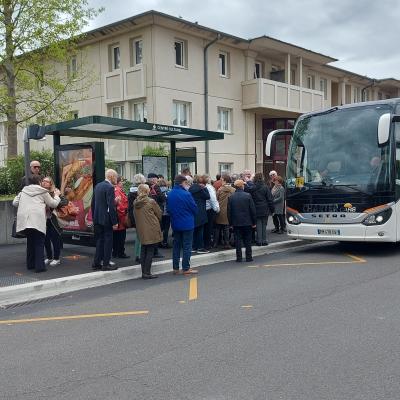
x=11, y=175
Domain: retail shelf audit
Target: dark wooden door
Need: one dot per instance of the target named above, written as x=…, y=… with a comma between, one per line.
x=280, y=144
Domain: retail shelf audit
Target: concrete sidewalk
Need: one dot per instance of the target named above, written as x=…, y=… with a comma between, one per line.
x=75, y=260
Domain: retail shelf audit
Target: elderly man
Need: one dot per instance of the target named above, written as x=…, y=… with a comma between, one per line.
x=105, y=220
x=182, y=209
x=34, y=171
x=242, y=216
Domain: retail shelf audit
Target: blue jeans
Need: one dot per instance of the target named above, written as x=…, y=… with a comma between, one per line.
x=182, y=240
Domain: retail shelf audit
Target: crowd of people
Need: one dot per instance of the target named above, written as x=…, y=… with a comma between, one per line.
x=230, y=212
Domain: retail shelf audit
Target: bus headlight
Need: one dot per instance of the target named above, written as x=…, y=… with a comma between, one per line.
x=292, y=218
x=378, y=218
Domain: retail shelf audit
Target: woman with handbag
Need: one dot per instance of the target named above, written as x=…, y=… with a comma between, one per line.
x=52, y=242
x=31, y=219
x=119, y=234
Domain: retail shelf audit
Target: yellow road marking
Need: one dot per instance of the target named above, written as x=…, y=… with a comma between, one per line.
x=69, y=317
x=193, y=289
x=182, y=301
x=247, y=306
x=356, y=260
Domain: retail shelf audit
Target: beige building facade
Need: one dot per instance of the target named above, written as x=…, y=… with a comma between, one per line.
x=151, y=67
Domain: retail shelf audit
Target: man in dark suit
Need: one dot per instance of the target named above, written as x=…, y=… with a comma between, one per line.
x=104, y=219
x=242, y=216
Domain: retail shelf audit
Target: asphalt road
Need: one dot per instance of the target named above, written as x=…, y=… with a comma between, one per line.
x=316, y=323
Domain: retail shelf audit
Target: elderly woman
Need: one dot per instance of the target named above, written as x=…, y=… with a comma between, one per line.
x=52, y=242
x=147, y=217
x=278, y=194
x=31, y=219
x=138, y=179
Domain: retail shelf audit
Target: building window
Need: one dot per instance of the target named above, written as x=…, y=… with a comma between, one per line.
x=180, y=53
x=72, y=67
x=223, y=64
x=117, y=112
x=293, y=77
x=323, y=87
x=73, y=115
x=139, y=112
x=120, y=168
x=380, y=96
x=224, y=119
x=115, y=57
x=181, y=113
x=136, y=168
x=225, y=168
x=258, y=70
x=311, y=82
x=137, y=51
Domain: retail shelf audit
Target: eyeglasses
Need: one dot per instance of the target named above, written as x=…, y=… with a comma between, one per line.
x=35, y=166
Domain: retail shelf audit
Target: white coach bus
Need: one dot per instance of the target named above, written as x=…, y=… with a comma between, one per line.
x=343, y=173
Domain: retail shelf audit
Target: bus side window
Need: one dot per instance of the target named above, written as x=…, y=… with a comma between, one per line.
x=397, y=138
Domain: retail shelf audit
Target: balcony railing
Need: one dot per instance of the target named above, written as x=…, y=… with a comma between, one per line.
x=125, y=84
x=265, y=93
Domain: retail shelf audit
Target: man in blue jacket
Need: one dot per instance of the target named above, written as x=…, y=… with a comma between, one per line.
x=104, y=219
x=182, y=209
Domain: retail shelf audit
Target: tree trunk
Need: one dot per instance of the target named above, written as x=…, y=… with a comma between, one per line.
x=11, y=112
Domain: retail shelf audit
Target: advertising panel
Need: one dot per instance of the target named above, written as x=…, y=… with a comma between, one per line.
x=77, y=170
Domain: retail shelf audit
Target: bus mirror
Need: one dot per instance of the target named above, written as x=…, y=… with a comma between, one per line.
x=384, y=128
x=271, y=135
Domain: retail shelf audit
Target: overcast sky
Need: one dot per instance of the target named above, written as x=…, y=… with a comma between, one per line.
x=362, y=34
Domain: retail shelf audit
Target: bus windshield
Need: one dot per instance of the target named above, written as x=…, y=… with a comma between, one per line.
x=340, y=148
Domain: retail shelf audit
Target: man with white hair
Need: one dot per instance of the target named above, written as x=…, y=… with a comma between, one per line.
x=34, y=171
x=105, y=220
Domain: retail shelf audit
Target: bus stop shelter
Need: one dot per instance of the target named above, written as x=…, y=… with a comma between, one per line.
x=121, y=129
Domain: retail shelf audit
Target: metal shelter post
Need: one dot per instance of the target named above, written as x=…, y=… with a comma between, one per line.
x=173, y=160
x=56, y=142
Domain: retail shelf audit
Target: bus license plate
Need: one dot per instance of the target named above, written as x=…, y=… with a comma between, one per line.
x=331, y=232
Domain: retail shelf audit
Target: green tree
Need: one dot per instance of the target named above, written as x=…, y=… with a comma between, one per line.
x=38, y=39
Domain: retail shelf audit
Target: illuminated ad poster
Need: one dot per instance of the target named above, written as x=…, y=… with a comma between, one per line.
x=76, y=173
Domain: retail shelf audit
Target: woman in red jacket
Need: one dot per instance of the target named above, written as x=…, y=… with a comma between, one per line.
x=119, y=234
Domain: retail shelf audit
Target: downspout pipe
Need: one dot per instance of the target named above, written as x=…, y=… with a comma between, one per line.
x=207, y=147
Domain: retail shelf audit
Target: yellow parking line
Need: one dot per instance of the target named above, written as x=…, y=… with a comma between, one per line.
x=193, y=289
x=69, y=317
x=356, y=260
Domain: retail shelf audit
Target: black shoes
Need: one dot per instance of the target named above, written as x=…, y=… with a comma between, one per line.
x=109, y=267
x=239, y=260
x=249, y=260
x=275, y=230
x=123, y=256
x=149, y=276
x=264, y=244
x=38, y=271
x=158, y=255
x=96, y=267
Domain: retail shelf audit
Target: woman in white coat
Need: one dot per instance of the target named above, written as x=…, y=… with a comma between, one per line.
x=31, y=219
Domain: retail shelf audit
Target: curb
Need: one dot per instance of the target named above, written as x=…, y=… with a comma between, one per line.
x=54, y=287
